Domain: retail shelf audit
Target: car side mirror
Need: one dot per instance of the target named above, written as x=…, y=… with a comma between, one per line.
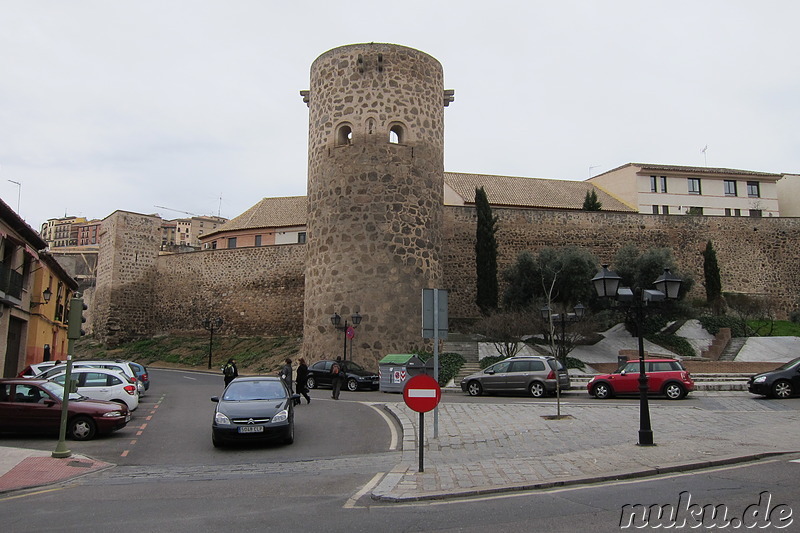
x=215, y=399
x=622, y=372
x=49, y=403
x=488, y=371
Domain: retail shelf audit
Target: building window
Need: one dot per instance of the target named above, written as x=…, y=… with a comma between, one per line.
x=753, y=190
x=694, y=186
x=665, y=210
x=653, y=186
x=301, y=237
x=728, y=211
x=730, y=188
x=258, y=240
x=655, y=209
x=232, y=242
x=755, y=213
x=663, y=183
x=695, y=211
x=737, y=212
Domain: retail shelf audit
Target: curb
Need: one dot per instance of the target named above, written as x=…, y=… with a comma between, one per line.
x=394, y=477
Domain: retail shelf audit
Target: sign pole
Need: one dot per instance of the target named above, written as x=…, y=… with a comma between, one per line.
x=436, y=358
x=421, y=441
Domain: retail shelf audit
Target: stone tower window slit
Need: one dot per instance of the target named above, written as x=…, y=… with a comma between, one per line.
x=344, y=135
x=396, y=134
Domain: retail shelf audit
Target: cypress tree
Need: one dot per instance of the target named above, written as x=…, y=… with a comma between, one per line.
x=485, y=254
x=711, y=272
x=590, y=202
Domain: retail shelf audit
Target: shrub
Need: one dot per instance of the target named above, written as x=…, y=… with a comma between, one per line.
x=489, y=361
x=449, y=365
x=674, y=343
x=712, y=324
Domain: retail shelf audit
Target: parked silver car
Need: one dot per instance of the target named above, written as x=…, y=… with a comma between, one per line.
x=532, y=374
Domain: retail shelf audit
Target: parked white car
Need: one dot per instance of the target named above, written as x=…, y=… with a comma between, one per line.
x=121, y=367
x=102, y=384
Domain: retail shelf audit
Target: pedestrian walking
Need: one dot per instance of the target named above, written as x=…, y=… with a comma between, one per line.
x=302, y=379
x=229, y=371
x=286, y=374
x=337, y=377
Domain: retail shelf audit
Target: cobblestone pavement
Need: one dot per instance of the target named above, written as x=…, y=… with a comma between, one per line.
x=486, y=448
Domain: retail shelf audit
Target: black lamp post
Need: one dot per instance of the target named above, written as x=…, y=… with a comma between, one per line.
x=211, y=324
x=46, y=295
x=606, y=283
x=348, y=330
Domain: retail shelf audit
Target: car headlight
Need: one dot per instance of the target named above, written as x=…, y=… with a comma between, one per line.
x=112, y=414
x=760, y=379
x=220, y=418
x=592, y=380
x=281, y=417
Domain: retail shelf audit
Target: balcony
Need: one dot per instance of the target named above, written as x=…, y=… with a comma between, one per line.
x=10, y=285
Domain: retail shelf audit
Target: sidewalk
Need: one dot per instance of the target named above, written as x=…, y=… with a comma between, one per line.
x=490, y=448
x=22, y=468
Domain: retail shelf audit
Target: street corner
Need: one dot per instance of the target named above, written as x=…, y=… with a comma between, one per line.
x=37, y=471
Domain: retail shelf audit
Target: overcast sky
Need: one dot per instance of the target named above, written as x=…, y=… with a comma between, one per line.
x=194, y=105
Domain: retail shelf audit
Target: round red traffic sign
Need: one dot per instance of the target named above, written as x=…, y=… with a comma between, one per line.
x=422, y=393
x=350, y=332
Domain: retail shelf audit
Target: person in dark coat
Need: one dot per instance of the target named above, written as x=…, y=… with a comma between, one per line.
x=230, y=371
x=337, y=377
x=286, y=374
x=302, y=378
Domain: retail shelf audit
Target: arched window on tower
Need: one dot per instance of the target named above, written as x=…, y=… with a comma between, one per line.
x=344, y=135
x=396, y=134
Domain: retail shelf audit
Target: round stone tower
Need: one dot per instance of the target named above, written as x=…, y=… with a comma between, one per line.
x=375, y=196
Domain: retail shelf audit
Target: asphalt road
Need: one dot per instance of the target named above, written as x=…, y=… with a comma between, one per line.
x=170, y=478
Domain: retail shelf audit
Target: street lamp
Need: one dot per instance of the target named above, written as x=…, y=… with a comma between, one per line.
x=563, y=319
x=210, y=324
x=349, y=331
x=606, y=284
x=46, y=295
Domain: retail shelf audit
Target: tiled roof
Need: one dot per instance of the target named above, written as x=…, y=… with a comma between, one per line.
x=531, y=192
x=650, y=167
x=269, y=213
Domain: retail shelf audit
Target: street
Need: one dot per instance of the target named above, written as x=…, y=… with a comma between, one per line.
x=169, y=477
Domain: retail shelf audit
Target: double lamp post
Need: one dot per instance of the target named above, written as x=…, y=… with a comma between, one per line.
x=348, y=329
x=606, y=283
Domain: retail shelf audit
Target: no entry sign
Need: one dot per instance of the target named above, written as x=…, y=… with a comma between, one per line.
x=422, y=393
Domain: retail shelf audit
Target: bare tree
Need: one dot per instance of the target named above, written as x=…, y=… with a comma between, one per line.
x=506, y=330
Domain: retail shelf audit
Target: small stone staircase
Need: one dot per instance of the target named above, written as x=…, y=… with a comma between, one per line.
x=467, y=347
x=732, y=349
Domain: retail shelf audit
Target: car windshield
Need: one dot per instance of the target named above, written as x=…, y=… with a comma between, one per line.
x=243, y=391
x=354, y=367
x=57, y=390
x=790, y=364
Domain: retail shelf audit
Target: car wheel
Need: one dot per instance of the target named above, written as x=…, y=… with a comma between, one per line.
x=474, y=388
x=352, y=385
x=782, y=389
x=602, y=391
x=674, y=391
x=289, y=435
x=537, y=389
x=82, y=428
x=311, y=383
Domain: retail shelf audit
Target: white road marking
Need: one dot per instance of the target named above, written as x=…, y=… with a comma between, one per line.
x=351, y=503
x=393, y=441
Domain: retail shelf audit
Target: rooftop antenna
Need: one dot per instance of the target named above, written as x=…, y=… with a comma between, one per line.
x=19, y=192
x=705, y=157
x=219, y=211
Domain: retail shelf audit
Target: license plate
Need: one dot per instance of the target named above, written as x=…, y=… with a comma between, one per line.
x=251, y=429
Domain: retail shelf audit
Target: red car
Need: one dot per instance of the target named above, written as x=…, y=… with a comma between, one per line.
x=34, y=406
x=664, y=376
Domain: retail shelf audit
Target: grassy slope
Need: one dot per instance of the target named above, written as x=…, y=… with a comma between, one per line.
x=254, y=355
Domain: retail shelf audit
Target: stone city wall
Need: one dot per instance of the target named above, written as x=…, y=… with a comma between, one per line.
x=755, y=255
x=256, y=291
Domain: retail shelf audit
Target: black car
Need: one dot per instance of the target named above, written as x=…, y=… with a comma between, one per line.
x=356, y=376
x=258, y=408
x=782, y=382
